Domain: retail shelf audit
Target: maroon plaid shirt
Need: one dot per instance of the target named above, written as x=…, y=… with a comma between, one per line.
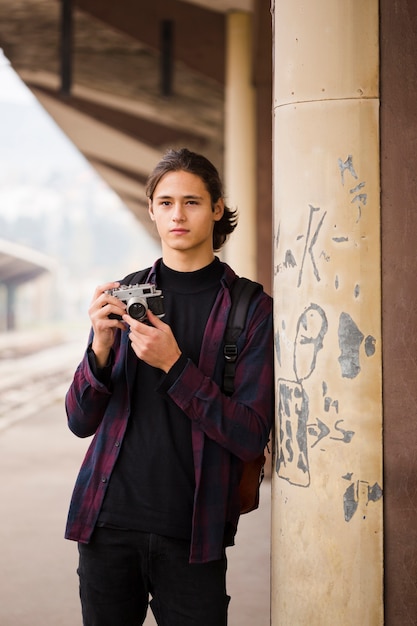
x=225, y=431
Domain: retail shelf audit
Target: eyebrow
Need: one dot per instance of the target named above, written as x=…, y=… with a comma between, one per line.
x=186, y=197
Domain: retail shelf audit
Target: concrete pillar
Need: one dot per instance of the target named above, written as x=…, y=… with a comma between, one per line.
x=240, y=148
x=327, y=526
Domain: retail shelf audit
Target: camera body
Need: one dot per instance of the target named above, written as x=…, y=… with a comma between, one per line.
x=138, y=299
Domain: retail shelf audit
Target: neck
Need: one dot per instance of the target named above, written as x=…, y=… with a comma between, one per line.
x=186, y=262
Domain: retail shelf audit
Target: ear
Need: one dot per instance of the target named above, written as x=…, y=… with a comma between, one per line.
x=150, y=210
x=218, y=209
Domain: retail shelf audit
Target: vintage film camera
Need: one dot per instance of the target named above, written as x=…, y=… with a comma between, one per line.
x=138, y=299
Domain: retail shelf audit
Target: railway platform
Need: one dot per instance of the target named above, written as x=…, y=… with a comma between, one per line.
x=39, y=461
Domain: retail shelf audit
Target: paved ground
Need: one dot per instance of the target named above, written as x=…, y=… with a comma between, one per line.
x=39, y=460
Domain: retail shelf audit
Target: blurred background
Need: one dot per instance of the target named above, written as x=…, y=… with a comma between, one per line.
x=92, y=93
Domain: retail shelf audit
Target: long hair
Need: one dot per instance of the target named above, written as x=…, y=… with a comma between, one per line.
x=187, y=161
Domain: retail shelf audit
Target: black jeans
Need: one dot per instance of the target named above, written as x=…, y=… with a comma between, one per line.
x=120, y=569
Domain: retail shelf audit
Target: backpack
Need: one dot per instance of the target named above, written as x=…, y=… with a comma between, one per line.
x=241, y=293
x=253, y=471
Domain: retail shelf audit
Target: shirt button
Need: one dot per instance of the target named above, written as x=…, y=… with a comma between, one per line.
x=103, y=479
x=117, y=444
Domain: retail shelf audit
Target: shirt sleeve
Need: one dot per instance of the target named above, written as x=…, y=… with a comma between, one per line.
x=103, y=374
x=88, y=396
x=170, y=377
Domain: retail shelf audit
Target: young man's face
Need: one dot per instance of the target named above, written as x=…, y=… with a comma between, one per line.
x=184, y=216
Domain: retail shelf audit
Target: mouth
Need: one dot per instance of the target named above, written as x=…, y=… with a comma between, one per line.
x=178, y=231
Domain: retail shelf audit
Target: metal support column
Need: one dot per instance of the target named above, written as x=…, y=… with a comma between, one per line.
x=66, y=46
x=167, y=56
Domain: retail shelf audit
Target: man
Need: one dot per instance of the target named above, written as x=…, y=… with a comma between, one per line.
x=157, y=500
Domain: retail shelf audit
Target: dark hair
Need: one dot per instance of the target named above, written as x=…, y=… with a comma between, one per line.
x=187, y=161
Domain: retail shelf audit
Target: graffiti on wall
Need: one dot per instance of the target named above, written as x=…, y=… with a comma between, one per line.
x=298, y=432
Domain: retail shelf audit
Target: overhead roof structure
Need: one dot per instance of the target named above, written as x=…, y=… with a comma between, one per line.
x=115, y=111
x=19, y=264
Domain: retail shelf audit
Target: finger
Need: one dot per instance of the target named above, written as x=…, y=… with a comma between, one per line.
x=100, y=297
x=135, y=324
x=107, y=286
x=107, y=306
x=155, y=320
x=108, y=324
x=119, y=324
x=101, y=289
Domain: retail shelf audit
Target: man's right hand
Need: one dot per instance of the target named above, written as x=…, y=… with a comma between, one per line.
x=104, y=327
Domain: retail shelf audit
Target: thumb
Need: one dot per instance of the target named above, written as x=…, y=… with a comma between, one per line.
x=155, y=320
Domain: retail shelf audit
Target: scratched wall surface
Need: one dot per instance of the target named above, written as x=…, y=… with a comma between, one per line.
x=327, y=470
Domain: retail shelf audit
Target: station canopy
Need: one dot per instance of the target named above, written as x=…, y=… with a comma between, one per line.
x=19, y=264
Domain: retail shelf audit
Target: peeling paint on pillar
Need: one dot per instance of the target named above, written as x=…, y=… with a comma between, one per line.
x=327, y=484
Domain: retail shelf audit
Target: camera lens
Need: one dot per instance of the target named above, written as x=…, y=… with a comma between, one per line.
x=136, y=310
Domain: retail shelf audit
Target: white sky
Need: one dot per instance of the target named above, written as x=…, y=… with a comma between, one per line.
x=12, y=88
x=28, y=135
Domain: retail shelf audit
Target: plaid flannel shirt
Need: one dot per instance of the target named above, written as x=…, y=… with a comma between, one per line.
x=225, y=430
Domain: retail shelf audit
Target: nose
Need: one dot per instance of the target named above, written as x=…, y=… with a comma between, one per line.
x=178, y=213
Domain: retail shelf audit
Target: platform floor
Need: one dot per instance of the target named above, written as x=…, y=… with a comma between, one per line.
x=39, y=461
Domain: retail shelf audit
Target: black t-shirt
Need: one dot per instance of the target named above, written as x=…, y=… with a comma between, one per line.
x=152, y=485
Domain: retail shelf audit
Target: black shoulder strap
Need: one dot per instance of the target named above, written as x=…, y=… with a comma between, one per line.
x=136, y=277
x=241, y=292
